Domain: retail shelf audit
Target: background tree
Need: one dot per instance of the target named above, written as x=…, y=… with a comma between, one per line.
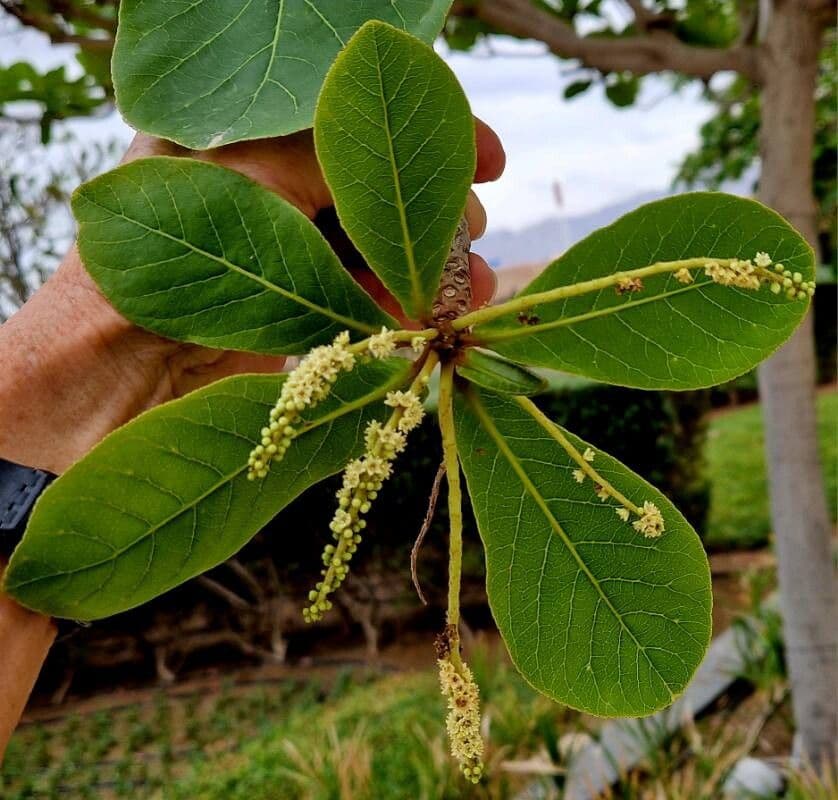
x=36, y=227
x=729, y=147
x=52, y=95
x=773, y=47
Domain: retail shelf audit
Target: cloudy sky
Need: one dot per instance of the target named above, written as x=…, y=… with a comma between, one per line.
x=598, y=153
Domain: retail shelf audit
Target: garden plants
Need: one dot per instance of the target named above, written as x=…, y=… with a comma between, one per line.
x=599, y=586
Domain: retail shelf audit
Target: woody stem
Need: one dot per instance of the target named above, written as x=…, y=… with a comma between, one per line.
x=453, y=299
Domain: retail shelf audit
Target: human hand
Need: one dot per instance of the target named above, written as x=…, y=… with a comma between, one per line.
x=77, y=369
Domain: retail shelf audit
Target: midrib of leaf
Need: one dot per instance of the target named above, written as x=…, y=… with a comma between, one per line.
x=415, y=283
x=347, y=408
x=503, y=335
x=327, y=312
x=514, y=462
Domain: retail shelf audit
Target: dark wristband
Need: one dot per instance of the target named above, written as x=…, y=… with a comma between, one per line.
x=20, y=487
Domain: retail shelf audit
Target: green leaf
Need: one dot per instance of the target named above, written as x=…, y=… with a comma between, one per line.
x=594, y=615
x=395, y=138
x=622, y=88
x=202, y=254
x=167, y=497
x=498, y=374
x=669, y=335
x=576, y=88
x=205, y=73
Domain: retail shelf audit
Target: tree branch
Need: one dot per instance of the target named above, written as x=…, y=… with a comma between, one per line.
x=640, y=54
x=646, y=19
x=52, y=27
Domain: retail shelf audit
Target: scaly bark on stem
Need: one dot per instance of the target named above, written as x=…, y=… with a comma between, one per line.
x=454, y=296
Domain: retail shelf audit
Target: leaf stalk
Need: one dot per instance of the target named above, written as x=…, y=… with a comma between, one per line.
x=455, y=498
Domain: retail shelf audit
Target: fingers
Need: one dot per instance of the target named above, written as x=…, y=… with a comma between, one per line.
x=143, y=146
x=287, y=166
x=484, y=281
x=476, y=216
x=197, y=366
x=491, y=158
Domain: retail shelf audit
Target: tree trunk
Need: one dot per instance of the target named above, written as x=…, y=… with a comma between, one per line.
x=809, y=600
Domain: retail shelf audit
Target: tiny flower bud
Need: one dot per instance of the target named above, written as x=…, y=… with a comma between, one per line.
x=651, y=523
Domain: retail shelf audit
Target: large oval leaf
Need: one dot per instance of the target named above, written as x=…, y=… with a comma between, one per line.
x=593, y=614
x=200, y=253
x=395, y=138
x=669, y=335
x=208, y=72
x=167, y=497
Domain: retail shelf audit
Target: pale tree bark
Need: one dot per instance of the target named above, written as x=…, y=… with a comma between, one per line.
x=808, y=594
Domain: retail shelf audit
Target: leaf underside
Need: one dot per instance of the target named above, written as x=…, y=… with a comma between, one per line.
x=669, y=335
x=209, y=72
x=594, y=615
x=498, y=374
x=395, y=137
x=167, y=497
x=202, y=254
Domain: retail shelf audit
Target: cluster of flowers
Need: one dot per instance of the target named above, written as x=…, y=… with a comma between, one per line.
x=650, y=522
x=792, y=283
x=751, y=274
x=362, y=480
x=305, y=387
x=736, y=272
x=463, y=720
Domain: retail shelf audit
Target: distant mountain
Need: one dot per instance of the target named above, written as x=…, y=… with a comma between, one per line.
x=544, y=241
x=547, y=239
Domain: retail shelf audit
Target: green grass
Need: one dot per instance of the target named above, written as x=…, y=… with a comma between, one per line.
x=383, y=738
x=134, y=751
x=387, y=741
x=739, y=515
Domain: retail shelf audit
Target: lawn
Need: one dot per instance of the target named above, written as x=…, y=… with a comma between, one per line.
x=739, y=515
x=349, y=738
x=366, y=738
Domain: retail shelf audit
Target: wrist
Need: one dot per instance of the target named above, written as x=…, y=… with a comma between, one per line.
x=74, y=370
x=25, y=639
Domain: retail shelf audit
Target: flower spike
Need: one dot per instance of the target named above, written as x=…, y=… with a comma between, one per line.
x=362, y=480
x=305, y=387
x=463, y=720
